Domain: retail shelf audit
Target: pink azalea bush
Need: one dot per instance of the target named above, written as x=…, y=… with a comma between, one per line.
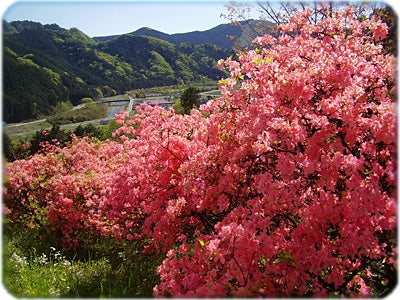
x=63, y=189
x=283, y=186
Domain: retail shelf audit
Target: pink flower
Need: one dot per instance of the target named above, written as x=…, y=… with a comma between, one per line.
x=379, y=31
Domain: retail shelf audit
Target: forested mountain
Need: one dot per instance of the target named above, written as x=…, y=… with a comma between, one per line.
x=221, y=35
x=46, y=64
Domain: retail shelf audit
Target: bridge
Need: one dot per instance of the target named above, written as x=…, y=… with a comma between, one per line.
x=119, y=98
x=160, y=101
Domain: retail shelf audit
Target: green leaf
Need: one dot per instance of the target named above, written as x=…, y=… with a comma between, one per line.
x=240, y=76
x=257, y=61
x=269, y=60
x=368, y=171
x=286, y=257
x=202, y=243
x=262, y=262
x=223, y=81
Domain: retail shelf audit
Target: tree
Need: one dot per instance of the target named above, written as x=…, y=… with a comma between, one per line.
x=281, y=12
x=44, y=140
x=85, y=100
x=62, y=107
x=88, y=130
x=190, y=99
x=177, y=106
x=8, y=150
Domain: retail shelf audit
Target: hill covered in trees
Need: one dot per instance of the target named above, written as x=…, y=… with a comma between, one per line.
x=224, y=35
x=46, y=64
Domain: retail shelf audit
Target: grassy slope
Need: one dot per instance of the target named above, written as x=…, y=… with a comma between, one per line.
x=51, y=273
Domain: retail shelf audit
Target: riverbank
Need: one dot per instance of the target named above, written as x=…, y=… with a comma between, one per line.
x=164, y=96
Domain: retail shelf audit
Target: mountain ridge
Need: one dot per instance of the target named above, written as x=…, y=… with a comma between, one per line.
x=222, y=35
x=47, y=64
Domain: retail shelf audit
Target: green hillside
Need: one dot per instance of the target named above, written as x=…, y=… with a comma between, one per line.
x=224, y=36
x=46, y=64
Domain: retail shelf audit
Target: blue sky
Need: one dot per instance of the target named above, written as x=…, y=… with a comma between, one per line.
x=100, y=18
x=107, y=17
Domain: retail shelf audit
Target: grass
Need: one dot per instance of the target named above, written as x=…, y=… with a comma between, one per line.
x=14, y=129
x=90, y=111
x=118, y=272
x=172, y=89
x=93, y=111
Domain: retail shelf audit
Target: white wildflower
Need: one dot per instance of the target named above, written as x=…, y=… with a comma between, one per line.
x=18, y=260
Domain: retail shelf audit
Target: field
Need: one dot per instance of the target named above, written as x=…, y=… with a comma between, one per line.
x=37, y=269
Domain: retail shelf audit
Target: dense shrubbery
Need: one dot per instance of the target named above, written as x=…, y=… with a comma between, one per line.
x=14, y=149
x=284, y=186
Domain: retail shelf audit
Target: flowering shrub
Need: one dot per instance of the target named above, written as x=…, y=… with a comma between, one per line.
x=283, y=186
x=296, y=180
x=62, y=189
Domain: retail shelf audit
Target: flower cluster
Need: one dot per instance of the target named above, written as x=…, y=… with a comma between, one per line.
x=284, y=186
x=62, y=190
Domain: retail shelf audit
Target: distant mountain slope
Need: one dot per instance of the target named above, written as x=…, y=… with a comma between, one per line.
x=220, y=35
x=46, y=64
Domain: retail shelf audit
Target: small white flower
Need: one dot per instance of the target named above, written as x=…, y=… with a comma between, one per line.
x=42, y=259
x=57, y=255
x=54, y=292
x=18, y=260
x=67, y=263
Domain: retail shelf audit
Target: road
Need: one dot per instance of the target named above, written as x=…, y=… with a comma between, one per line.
x=11, y=125
x=115, y=109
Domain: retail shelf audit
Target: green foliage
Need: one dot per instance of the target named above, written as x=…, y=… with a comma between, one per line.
x=46, y=64
x=206, y=57
x=178, y=107
x=90, y=111
x=80, y=36
x=62, y=107
x=15, y=149
x=54, y=76
x=56, y=136
x=108, y=91
x=159, y=68
x=107, y=130
x=8, y=151
x=105, y=270
x=89, y=130
x=86, y=100
x=29, y=90
x=97, y=93
x=286, y=257
x=190, y=99
x=22, y=148
x=138, y=94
